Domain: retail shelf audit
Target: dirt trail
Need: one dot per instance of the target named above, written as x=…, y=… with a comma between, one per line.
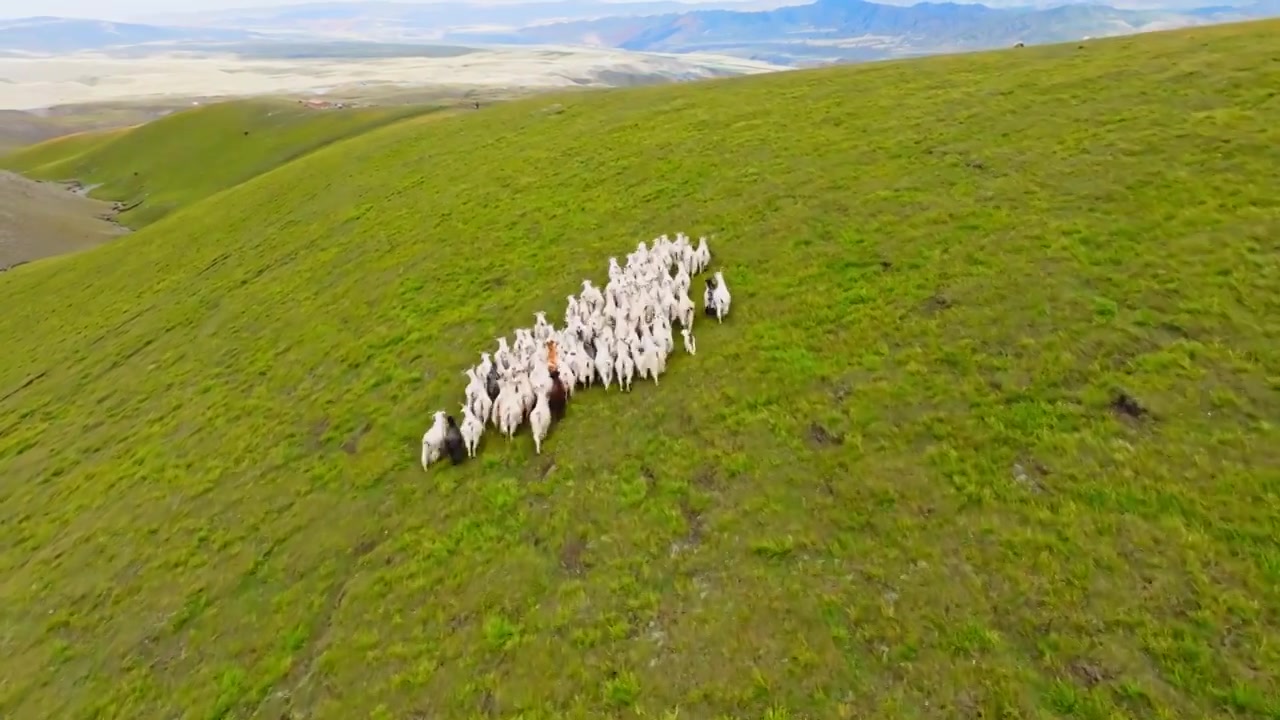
x=43, y=219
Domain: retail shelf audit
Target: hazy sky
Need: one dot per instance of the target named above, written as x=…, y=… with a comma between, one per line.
x=139, y=9
x=112, y=10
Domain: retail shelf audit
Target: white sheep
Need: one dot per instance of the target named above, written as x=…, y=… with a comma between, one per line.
x=568, y=377
x=625, y=367
x=702, y=255
x=541, y=328
x=433, y=439
x=540, y=421
x=592, y=296
x=471, y=429
x=477, y=394
x=648, y=361
x=685, y=309
x=662, y=334
x=583, y=367
x=604, y=362
x=722, y=297
x=508, y=408
x=690, y=344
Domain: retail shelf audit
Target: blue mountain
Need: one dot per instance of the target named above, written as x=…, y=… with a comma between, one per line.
x=62, y=35
x=844, y=29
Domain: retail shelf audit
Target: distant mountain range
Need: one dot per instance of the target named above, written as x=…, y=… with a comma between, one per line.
x=815, y=33
x=51, y=35
x=399, y=21
x=843, y=30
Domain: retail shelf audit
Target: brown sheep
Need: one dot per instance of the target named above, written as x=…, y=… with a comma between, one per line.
x=557, y=398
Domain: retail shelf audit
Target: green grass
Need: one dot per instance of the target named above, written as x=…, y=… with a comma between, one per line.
x=40, y=159
x=19, y=129
x=173, y=162
x=890, y=485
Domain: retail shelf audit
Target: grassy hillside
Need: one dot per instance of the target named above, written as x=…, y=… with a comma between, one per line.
x=19, y=129
x=188, y=156
x=896, y=483
x=42, y=159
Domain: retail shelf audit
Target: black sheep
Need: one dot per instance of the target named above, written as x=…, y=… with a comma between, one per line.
x=557, y=397
x=491, y=383
x=708, y=298
x=453, y=442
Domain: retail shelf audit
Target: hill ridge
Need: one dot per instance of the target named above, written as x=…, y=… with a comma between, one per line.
x=180, y=169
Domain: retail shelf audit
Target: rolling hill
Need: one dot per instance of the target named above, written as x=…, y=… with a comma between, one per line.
x=19, y=129
x=185, y=157
x=991, y=431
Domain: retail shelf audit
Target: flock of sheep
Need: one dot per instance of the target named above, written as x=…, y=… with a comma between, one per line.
x=607, y=337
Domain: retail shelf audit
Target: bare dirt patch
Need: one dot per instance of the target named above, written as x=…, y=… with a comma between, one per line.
x=43, y=219
x=820, y=435
x=936, y=304
x=571, y=554
x=351, y=445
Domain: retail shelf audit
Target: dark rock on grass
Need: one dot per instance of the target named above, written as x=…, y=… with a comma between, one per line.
x=823, y=436
x=1124, y=404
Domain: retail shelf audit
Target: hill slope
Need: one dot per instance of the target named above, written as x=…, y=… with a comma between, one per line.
x=188, y=156
x=19, y=129
x=895, y=483
x=44, y=159
x=39, y=220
